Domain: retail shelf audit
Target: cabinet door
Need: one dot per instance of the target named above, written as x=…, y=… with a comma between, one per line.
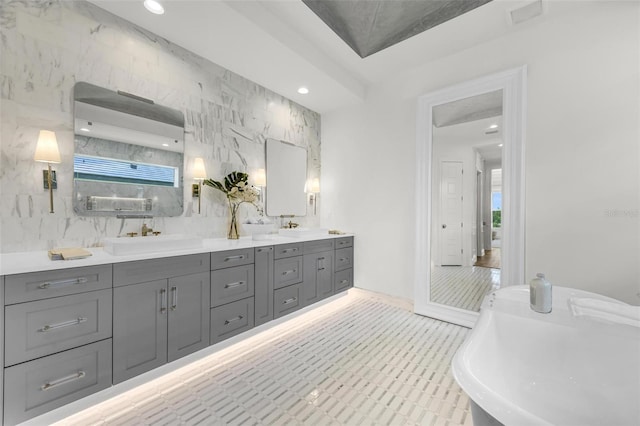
x=188, y=327
x=139, y=328
x=263, y=299
x=318, y=277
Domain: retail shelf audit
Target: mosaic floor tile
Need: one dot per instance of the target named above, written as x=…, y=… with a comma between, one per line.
x=362, y=359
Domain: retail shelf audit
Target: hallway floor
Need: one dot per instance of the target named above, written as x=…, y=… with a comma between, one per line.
x=361, y=359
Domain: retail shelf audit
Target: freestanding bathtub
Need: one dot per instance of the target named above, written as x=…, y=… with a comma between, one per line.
x=568, y=367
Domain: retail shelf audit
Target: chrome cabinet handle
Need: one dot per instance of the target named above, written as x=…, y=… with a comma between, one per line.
x=163, y=300
x=293, y=299
x=70, y=378
x=174, y=298
x=63, y=283
x=240, y=256
x=291, y=271
x=64, y=324
x=344, y=281
x=344, y=259
x=260, y=250
x=229, y=321
x=233, y=285
x=289, y=249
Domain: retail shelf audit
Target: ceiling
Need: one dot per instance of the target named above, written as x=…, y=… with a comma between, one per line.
x=468, y=109
x=283, y=44
x=369, y=26
x=473, y=134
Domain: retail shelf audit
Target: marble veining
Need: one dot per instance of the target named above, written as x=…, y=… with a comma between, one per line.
x=47, y=46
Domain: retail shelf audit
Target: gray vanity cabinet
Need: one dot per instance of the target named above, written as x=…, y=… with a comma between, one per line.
x=57, y=338
x=159, y=320
x=139, y=329
x=343, y=277
x=318, y=264
x=263, y=283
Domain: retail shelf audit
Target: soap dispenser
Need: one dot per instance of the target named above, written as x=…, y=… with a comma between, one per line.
x=540, y=294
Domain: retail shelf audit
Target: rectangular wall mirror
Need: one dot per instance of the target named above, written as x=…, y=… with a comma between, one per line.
x=286, y=179
x=129, y=155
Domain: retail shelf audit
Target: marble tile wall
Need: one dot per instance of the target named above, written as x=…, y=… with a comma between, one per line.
x=48, y=46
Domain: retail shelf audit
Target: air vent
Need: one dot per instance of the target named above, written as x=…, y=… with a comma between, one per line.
x=526, y=12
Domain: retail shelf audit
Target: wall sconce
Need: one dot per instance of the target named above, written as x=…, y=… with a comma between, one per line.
x=47, y=152
x=260, y=180
x=313, y=188
x=199, y=174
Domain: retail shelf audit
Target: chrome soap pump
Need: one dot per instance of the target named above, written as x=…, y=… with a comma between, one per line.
x=540, y=294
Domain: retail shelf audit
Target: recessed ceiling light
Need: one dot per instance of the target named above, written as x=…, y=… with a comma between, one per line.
x=165, y=144
x=84, y=129
x=154, y=7
x=493, y=126
x=303, y=90
x=499, y=144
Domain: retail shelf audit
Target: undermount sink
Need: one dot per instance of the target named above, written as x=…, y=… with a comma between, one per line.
x=302, y=232
x=138, y=245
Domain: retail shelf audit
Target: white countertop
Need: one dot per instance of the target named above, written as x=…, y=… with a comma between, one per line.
x=34, y=261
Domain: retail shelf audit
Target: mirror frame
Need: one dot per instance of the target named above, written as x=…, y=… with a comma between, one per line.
x=125, y=121
x=513, y=85
x=281, y=185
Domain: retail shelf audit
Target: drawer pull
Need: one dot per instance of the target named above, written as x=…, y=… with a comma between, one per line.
x=240, y=256
x=234, y=285
x=344, y=281
x=63, y=283
x=61, y=381
x=291, y=271
x=229, y=321
x=50, y=327
x=163, y=301
x=289, y=250
x=265, y=249
x=174, y=298
x=344, y=259
x=293, y=299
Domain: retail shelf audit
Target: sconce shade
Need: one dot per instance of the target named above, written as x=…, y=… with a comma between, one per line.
x=199, y=171
x=260, y=178
x=47, y=148
x=314, y=187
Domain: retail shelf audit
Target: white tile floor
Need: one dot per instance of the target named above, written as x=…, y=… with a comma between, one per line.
x=362, y=359
x=463, y=287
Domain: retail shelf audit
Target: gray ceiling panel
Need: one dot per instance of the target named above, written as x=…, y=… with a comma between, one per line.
x=369, y=26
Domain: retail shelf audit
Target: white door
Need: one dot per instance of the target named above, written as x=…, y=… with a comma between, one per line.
x=451, y=213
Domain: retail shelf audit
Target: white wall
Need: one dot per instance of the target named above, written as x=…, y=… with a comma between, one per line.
x=582, y=152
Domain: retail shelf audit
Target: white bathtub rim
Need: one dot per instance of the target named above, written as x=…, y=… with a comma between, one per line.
x=492, y=400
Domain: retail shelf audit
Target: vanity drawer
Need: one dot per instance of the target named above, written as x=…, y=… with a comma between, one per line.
x=231, y=319
x=344, y=242
x=288, y=250
x=231, y=284
x=287, y=271
x=318, y=246
x=44, y=327
x=286, y=300
x=157, y=269
x=230, y=258
x=38, y=386
x=343, y=280
x=344, y=258
x=43, y=285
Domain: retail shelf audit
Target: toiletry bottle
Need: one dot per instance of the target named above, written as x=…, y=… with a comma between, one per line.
x=540, y=294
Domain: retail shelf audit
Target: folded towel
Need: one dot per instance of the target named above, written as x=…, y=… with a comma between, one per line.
x=615, y=312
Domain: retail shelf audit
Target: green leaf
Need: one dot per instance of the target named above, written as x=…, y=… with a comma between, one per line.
x=215, y=184
x=233, y=178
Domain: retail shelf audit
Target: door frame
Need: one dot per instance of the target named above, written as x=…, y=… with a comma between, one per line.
x=512, y=82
